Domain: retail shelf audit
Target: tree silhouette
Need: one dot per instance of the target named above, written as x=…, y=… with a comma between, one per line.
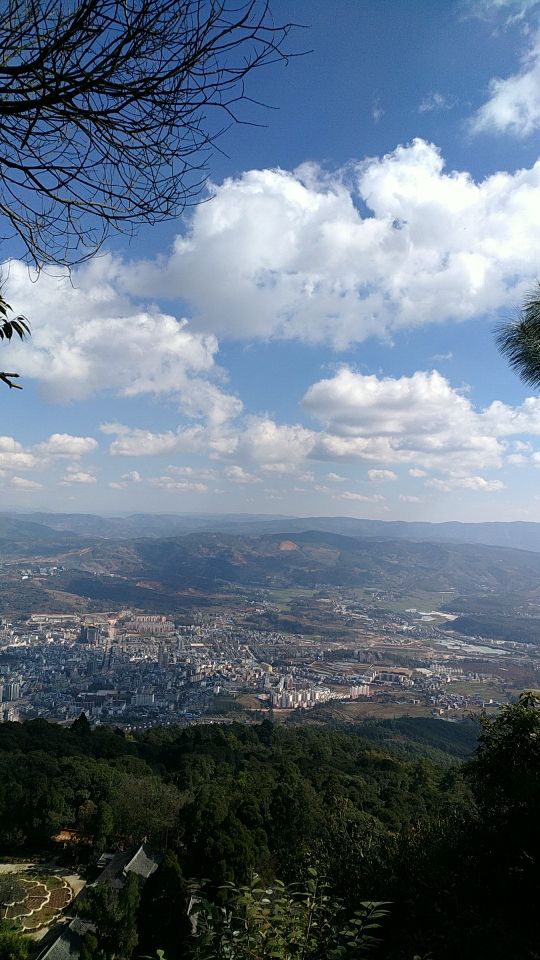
x=109, y=110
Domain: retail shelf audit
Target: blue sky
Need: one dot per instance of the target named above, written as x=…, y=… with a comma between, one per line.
x=317, y=338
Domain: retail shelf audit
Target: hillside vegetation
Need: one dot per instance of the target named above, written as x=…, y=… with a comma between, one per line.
x=449, y=847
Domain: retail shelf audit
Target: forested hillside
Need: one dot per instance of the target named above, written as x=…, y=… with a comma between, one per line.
x=440, y=841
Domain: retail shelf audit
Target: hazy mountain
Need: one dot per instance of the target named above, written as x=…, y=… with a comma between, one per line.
x=209, y=561
x=521, y=535
x=26, y=539
x=140, y=524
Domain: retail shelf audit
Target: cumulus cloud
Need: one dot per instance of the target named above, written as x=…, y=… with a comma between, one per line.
x=477, y=484
x=289, y=255
x=381, y=475
x=336, y=478
x=89, y=337
x=419, y=422
x=74, y=475
x=193, y=473
x=13, y=456
x=513, y=105
x=408, y=498
x=66, y=445
x=237, y=474
x=59, y=447
x=22, y=483
x=134, y=442
x=264, y=441
x=420, y=419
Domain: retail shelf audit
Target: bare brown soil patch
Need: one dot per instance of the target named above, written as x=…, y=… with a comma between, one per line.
x=288, y=545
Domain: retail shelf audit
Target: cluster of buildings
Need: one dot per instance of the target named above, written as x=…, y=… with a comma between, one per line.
x=136, y=670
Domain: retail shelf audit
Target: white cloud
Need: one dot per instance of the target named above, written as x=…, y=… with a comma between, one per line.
x=13, y=456
x=516, y=9
x=421, y=422
x=194, y=473
x=237, y=474
x=516, y=459
x=65, y=445
x=381, y=475
x=133, y=442
x=419, y=419
x=89, y=337
x=377, y=111
x=351, y=495
x=177, y=486
x=441, y=357
x=435, y=102
x=336, y=478
x=73, y=475
x=280, y=468
x=133, y=476
x=288, y=254
x=22, y=483
x=407, y=498
x=477, y=484
x=264, y=441
x=514, y=103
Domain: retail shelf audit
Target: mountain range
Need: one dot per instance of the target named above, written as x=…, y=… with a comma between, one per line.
x=522, y=535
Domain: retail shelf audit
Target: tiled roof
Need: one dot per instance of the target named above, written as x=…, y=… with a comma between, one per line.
x=67, y=945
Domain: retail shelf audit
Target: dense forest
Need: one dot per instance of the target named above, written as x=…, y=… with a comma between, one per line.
x=333, y=823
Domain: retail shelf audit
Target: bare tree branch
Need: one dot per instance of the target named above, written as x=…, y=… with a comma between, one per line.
x=109, y=110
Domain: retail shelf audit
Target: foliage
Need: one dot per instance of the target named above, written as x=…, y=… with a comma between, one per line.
x=13, y=946
x=163, y=918
x=505, y=771
x=114, y=914
x=477, y=869
x=230, y=801
x=295, y=922
x=453, y=847
x=8, y=327
x=519, y=342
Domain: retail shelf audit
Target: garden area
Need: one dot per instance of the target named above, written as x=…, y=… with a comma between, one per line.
x=33, y=902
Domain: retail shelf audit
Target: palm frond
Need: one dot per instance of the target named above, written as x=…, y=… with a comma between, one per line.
x=519, y=341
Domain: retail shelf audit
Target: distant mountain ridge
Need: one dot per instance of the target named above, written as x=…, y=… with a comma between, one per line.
x=210, y=561
x=481, y=581
x=522, y=535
